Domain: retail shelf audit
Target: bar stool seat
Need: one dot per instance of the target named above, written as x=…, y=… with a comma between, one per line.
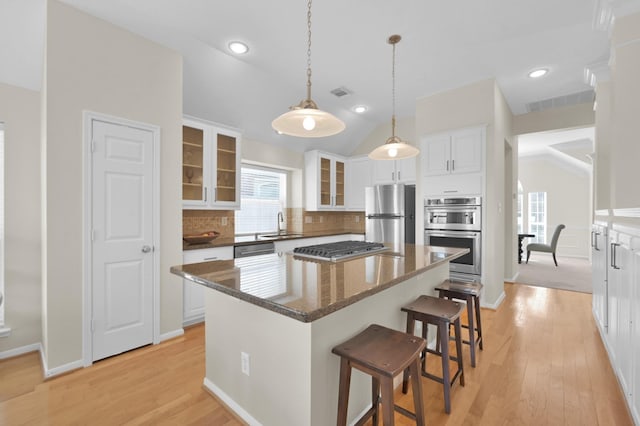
x=470, y=293
x=382, y=353
x=441, y=313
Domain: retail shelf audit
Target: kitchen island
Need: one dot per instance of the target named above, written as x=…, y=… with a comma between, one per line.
x=272, y=320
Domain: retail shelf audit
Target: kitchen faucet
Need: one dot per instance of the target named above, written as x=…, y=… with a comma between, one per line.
x=280, y=220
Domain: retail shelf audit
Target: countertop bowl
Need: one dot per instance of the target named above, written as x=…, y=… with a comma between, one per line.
x=204, y=237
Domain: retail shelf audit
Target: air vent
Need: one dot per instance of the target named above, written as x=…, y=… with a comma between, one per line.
x=340, y=92
x=572, y=99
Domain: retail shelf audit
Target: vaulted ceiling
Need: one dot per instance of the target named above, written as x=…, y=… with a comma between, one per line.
x=445, y=45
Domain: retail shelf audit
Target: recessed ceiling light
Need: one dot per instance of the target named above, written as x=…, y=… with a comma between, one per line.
x=238, y=47
x=360, y=109
x=538, y=73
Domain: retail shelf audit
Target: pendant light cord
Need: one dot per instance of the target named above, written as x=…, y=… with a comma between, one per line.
x=393, y=92
x=309, y=50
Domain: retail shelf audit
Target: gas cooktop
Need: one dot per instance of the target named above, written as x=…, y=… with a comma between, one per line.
x=339, y=250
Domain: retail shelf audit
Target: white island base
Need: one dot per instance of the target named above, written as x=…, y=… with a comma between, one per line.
x=293, y=376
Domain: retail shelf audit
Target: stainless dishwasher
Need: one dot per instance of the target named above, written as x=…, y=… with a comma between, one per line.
x=256, y=249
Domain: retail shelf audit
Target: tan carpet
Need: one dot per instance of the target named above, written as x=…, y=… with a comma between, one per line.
x=572, y=273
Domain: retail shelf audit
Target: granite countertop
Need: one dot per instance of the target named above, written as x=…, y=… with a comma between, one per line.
x=251, y=239
x=307, y=290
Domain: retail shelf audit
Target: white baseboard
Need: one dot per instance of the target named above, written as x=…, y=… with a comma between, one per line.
x=171, y=334
x=495, y=305
x=512, y=279
x=5, y=331
x=191, y=321
x=230, y=403
x=20, y=351
x=65, y=368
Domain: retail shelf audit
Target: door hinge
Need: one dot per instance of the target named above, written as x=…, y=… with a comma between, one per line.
x=93, y=235
x=93, y=327
x=93, y=146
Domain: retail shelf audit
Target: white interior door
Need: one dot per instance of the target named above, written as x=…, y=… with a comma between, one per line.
x=122, y=234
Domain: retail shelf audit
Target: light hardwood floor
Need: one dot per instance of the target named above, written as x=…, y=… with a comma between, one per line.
x=543, y=364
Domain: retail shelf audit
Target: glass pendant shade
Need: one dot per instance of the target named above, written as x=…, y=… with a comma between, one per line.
x=394, y=148
x=305, y=120
x=308, y=123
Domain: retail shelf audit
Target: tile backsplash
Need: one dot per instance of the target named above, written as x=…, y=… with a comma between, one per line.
x=298, y=220
x=197, y=221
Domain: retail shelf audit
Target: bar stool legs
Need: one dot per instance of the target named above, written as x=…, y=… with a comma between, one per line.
x=381, y=353
x=441, y=313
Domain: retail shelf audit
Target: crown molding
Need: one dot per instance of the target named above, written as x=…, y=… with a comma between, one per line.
x=598, y=72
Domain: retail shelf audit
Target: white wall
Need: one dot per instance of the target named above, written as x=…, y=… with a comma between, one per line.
x=92, y=65
x=20, y=113
x=405, y=129
x=568, y=200
x=581, y=115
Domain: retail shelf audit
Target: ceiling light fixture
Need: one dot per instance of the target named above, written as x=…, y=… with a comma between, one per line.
x=305, y=119
x=394, y=148
x=238, y=47
x=360, y=109
x=538, y=73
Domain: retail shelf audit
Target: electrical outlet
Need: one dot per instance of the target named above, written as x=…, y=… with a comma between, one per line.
x=321, y=219
x=357, y=219
x=308, y=219
x=245, y=362
x=224, y=221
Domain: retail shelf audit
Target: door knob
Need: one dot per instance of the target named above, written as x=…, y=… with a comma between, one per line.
x=146, y=249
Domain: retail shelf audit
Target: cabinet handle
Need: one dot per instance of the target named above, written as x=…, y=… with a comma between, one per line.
x=613, y=255
x=447, y=165
x=211, y=258
x=453, y=165
x=205, y=194
x=393, y=175
x=595, y=240
x=215, y=194
x=398, y=174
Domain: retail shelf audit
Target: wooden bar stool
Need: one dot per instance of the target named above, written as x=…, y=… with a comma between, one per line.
x=382, y=353
x=470, y=293
x=441, y=313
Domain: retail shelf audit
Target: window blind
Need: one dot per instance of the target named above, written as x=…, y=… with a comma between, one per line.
x=263, y=196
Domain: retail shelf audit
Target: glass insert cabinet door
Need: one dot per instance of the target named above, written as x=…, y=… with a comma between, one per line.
x=226, y=168
x=192, y=163
x=210, y=166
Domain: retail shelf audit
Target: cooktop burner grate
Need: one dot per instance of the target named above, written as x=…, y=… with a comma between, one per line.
x=339, y=250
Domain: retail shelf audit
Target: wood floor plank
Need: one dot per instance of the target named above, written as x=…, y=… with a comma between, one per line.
x=543, y=364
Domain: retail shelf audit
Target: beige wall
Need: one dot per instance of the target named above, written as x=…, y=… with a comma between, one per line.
x=20, y=113
x=602, y=145
x=92, y=65
x=625, y=125
x=568, y=200
x=573, y=116
x=477, y=104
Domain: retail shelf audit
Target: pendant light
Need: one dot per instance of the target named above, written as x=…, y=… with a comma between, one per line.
x=305, y=119
x=394, y=148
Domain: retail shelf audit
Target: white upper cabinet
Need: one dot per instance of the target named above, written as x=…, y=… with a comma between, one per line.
x=324, y=176
x=210, y=166
x=358, y=177
x=459, y=151
x=394, y=171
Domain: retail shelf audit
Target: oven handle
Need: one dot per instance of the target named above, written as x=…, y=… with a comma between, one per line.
x=451, y=208
x=471, y=234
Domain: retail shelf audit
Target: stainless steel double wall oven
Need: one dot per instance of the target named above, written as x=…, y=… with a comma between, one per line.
x=456, y=222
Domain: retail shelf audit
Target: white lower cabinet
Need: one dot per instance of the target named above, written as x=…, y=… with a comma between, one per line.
x=635, y=335
x=618, y=303
x=599, y=256
x=193, y=294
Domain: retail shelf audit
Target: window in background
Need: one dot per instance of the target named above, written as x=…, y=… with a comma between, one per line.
x=263, y=194
x=520, y=208
x=538, y=216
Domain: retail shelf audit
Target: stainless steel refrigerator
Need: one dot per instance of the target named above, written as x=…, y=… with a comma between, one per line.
x=390, y=214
